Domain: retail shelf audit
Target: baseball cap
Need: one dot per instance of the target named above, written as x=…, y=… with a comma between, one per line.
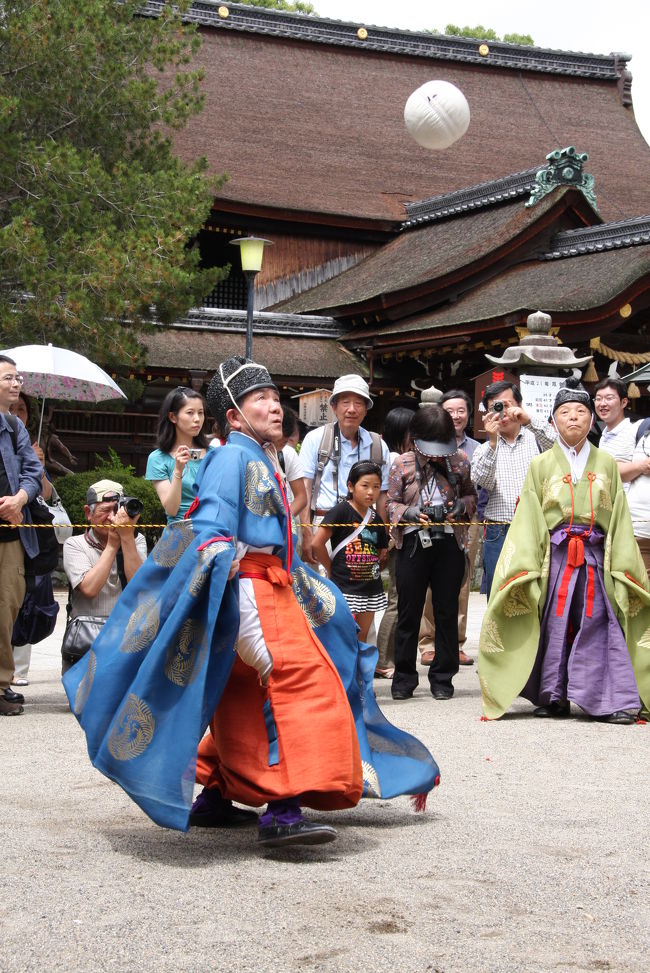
x=103, y=490
x=351, y=383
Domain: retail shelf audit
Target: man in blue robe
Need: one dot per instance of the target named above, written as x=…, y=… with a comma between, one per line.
x=164, y=667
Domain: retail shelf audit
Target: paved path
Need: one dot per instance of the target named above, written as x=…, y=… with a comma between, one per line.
x=532, y=856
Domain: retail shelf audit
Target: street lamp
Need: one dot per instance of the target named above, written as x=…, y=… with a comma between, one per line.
x=251, y=250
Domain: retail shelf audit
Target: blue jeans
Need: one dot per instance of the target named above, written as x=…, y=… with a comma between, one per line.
x=495, y=535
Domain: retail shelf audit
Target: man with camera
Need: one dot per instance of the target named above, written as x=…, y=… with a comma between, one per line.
x=500, y=464
x=100, y=562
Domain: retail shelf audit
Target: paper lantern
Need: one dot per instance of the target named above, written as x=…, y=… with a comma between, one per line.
x=437, y=114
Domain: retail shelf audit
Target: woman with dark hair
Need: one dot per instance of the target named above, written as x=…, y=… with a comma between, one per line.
x=181, y=443
x=22, y=409
x=430, y=500
x=396, y=437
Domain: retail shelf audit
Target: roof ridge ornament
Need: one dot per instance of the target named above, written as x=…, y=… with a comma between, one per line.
x=565, y=168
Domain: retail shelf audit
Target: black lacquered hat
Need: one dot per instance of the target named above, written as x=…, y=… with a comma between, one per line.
x=234, y=379
x=570, y=394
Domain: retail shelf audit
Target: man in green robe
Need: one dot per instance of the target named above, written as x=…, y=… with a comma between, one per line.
x=569, y=613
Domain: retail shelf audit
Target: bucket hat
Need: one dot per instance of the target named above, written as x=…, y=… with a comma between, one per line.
x=351, y=383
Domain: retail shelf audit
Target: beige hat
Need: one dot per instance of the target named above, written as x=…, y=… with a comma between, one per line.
x=351, y=383
x=103, y=490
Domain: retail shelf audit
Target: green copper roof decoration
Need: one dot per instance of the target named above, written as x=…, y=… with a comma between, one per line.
x=564, y=169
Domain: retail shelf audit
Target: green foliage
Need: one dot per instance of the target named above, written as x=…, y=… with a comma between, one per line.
x=297, y=7
x=524, y=39
x=479, y=32
x=72, y=489
x=486, y=34
x=95, y=210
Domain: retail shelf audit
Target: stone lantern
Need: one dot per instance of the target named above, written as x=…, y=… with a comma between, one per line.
x=539, y=351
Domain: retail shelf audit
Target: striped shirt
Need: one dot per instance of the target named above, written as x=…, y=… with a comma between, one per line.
x=502, y=471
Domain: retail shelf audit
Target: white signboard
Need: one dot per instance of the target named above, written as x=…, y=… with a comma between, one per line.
x=538, y=393
x=314, y=408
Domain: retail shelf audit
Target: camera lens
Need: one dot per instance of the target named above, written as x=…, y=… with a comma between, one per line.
x=133, y=506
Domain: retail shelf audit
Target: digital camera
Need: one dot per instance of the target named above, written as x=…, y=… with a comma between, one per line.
x=498, y=406
x=132, y=505
x=436, y=513
x=195, y=454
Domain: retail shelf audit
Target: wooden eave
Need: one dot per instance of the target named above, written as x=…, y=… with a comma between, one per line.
x=397, y=305
x=304, y=221
x=580, y=324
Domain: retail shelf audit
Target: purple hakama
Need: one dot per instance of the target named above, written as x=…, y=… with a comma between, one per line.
x=582, y=654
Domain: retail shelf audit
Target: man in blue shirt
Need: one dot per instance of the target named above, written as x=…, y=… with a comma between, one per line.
x=350, y=401
x=20, y=482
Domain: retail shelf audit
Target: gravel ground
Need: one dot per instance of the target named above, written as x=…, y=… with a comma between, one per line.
x=532, y=856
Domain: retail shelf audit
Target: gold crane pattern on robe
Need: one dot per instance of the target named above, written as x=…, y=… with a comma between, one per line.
x=314, y=597
x=133, y=729
x=261, y=493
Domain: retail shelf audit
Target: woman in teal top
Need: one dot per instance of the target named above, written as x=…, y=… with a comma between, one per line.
x=181, y=443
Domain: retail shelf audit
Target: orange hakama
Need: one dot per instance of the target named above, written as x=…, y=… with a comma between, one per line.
x=294, y=737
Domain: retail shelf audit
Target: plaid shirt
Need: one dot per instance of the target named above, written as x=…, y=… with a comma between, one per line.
x=502, y=471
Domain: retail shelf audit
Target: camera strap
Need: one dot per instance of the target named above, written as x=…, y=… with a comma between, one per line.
x=121, y=573
x=451, y=476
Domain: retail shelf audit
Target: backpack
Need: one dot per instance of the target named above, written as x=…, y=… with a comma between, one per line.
x=40, y=515
x=325, y=455
x=642, y=428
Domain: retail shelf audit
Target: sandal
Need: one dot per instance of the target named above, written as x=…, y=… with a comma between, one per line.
x=384, y=673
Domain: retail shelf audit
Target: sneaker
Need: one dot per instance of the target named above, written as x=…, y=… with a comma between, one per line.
x=211, y=810
x=10, y=709
x=20, y=682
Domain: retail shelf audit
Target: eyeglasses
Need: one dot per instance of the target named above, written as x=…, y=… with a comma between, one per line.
x=12, y=379
x=606, y=398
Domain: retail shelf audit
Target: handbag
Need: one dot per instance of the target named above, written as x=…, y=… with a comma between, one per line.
x=37, y=616
x=60, y=520
x=79, y=635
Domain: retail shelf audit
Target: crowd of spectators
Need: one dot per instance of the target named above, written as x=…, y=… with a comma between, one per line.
x=422, y=478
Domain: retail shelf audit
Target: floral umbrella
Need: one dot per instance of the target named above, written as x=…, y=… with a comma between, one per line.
x=57, y=373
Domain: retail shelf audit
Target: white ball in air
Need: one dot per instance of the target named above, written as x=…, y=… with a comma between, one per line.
x=437, y=114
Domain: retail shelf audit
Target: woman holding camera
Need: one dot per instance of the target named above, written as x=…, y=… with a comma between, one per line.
x=430, y=502
x=181, y=443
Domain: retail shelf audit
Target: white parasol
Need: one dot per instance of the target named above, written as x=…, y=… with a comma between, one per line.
x=57, y=373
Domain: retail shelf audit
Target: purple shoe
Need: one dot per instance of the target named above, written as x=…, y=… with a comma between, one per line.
x=211, y=810
x=283, y=824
